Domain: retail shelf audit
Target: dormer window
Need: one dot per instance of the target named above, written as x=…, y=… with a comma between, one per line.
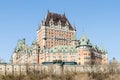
x=51, y=22
x=87, y=42
x=66, y=23
x=59, y=23
x=83, y=40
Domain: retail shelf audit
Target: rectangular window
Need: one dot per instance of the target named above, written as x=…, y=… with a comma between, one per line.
x=85, y=53
x=87, y=63
x=54, y=56
x=87, y=57
x=15, y=69
x=64, y=56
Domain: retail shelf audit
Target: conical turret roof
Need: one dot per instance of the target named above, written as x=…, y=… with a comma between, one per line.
x=84, y=40
x=101, y=48
x=34, y=41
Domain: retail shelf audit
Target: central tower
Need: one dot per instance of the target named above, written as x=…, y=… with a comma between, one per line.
x=54, y=30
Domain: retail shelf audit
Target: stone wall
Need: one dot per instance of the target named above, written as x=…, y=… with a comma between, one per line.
x=6, y=69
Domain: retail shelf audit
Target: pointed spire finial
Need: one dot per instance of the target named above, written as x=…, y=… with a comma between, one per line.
x=48, y=10
x=64, y=14
x=113, y=58
x=23, y=40
x=101, y=47
x=83, y=30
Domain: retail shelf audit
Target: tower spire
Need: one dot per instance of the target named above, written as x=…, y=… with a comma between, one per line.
x=48, y=11
x=64, y=14
x=83, y=30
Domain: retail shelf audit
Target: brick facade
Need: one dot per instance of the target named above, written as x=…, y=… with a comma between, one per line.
x=56, y=40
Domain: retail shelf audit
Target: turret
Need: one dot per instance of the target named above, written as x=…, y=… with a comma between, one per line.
x=35, y=51
x=74, y=39
x=84, y=41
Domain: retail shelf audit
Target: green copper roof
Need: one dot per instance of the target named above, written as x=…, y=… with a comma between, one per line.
x=61, y=48
x=101, y=48
x=74, y=37
x=84, y=40
x=20, y=44
x=34, y=41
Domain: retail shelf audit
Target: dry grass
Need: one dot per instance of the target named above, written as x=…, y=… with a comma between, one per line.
x=44, y=75
x=71, y=76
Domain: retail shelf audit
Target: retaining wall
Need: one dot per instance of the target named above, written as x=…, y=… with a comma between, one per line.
x=6, y=69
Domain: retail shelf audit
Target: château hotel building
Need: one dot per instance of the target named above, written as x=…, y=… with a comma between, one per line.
x=56, y=40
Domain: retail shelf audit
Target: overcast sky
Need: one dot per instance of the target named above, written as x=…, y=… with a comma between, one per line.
x=99, y=19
